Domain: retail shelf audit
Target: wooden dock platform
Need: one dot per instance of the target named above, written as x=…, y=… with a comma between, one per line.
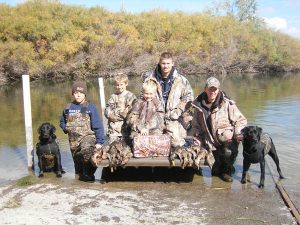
x=145, y=162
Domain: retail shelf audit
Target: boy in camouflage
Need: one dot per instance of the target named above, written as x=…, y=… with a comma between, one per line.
x=147, y=114
x=117, y=108
x=80, y=120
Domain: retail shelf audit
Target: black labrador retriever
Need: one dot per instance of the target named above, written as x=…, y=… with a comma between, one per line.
x=47, y=150
x=256, y=145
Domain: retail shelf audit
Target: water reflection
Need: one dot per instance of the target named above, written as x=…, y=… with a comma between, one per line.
x=270, y=102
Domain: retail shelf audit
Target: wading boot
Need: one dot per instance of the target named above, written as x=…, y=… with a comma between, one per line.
x=87, y=174
x=86, y=178
x=226, y=177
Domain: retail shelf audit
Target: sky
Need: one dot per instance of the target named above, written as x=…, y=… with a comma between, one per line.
x=280, y=15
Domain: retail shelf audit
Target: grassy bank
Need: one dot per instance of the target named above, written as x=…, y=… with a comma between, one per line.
x=49, y=40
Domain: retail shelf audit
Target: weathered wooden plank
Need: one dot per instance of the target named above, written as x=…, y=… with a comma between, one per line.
x=145, y=162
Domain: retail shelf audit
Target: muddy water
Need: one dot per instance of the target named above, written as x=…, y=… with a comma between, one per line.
x=272, y=102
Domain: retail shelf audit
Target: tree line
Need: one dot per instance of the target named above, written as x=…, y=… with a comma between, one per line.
x=50, y=40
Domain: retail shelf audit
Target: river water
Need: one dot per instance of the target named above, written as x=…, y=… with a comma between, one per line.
x=271, y=102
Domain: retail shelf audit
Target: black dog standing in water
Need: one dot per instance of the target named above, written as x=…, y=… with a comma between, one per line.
x=256, y=145
x=47, y=150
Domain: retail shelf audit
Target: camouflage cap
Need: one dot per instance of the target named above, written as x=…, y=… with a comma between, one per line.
x=79, y=86
x=212, y=82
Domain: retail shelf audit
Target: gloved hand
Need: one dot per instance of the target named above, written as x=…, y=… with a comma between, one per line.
x=174, y=114
x=123, y=114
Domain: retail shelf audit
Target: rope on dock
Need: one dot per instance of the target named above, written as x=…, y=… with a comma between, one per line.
x=284, y=195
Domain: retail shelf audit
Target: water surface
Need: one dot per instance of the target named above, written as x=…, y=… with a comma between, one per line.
x=272, y=102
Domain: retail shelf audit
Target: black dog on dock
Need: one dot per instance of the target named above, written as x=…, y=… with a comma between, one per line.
x=47, y=150
x=256, y=145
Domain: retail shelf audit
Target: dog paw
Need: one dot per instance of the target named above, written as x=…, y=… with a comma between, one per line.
x=243, y=181
x=261, y=186
x=58, y=174
x=41, y=175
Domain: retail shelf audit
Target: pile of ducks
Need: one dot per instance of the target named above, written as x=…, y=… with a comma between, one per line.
x=119, y=153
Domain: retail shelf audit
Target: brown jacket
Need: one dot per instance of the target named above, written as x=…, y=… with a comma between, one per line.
x=218, y=125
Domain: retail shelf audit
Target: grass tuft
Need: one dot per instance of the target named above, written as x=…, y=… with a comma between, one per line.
x=26, y=181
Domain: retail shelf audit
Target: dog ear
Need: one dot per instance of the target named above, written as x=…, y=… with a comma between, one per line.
x=39, y=129
x=53, y=128
x=244, y=130
x=259, y=129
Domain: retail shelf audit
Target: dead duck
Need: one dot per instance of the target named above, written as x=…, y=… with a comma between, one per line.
x=100, y=154
x=119, y=154
x=209, y=159
x=176, y=154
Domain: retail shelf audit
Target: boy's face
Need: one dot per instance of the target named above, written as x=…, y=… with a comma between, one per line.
x=148, y=95
x=120, y=86
x=79, y=97
x=166, y=66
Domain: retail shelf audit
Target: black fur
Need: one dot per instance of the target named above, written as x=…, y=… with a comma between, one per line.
x=47, y=147
x=254, y=151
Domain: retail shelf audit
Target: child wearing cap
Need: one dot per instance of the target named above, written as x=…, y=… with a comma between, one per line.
x=117, y=108
x=80, y=120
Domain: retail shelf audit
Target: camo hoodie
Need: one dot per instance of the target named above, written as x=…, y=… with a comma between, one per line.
x=179, y=92
x=117, y=108
x=148, y=115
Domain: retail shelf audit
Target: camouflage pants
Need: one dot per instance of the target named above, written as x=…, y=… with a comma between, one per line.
x=83, y=151
x=225, y=157
x=176, y=131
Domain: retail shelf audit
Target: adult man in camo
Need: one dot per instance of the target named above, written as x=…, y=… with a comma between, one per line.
x=173, y=91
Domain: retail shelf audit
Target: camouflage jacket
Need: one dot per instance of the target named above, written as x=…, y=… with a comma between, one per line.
x=180, y=93
x=148, y=115
x=218, y=125
x=116, y=111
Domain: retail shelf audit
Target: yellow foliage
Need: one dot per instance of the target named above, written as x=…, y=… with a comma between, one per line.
x=41, y=34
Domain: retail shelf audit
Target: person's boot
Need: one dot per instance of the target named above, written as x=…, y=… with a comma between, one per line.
x=226, y=174
x=226, y=177
x=78, y=165
x=86, y=175
x=86, y=178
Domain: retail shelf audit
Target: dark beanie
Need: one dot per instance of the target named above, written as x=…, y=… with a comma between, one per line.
x=79, y=86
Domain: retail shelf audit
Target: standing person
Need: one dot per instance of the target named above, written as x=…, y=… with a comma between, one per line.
x=80, y=120
x=173, y=91
x=217, y=123
x=117, y=108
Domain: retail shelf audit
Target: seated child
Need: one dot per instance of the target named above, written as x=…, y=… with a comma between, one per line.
x=147, y=114
x=117, y=108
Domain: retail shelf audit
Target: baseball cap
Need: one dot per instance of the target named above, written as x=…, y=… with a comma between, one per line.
x=212, y=82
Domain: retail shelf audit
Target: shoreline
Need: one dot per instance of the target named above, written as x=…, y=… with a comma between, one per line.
x=190, y=71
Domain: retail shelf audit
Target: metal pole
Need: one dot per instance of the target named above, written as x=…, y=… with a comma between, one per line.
x=28, y=120
x=102, y=101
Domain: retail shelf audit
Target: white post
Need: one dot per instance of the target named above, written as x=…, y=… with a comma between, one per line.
x=28, y=119
x=102, y=101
